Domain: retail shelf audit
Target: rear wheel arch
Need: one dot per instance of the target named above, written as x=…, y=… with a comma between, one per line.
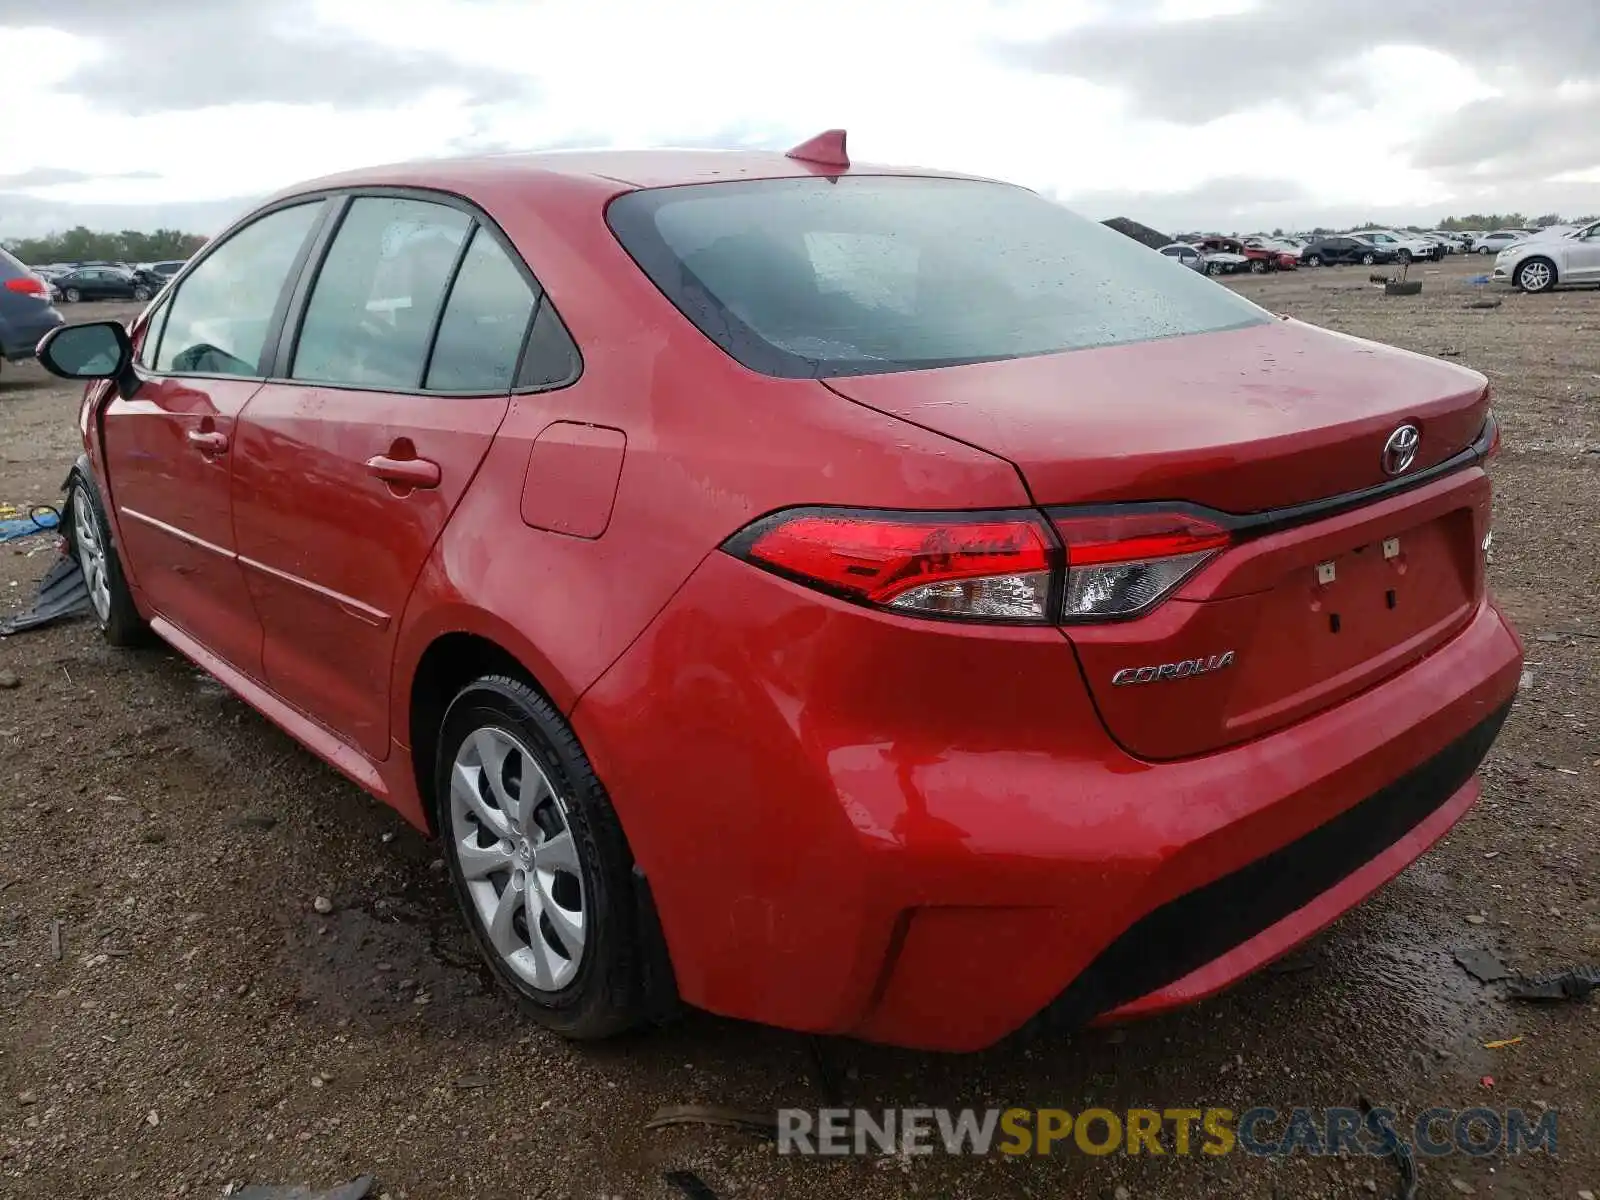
x=449, y=663
x=452, y=662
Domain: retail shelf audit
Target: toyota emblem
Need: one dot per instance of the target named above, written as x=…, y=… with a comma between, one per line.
x=1400, y=451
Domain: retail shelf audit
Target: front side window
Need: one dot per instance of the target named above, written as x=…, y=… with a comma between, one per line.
x=869, y=274
x=484, y=323
x=376, y=298
x=217, y=322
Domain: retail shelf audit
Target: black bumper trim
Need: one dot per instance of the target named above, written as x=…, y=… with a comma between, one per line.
x=1186, y=933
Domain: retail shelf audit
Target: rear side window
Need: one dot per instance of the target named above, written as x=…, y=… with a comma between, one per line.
x=378, y=293
x=484, y=323
x=217, y=322
x=551, y=358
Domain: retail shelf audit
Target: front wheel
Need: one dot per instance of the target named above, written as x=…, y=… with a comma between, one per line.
x=1213, y=268
x=114, y=610
x=1368, y=259
x=540, y=865
x=1536, y=275
x=1404, y=256
x=72, y=295
x=1258, y=266
x=1314, y=260
x=141, y=293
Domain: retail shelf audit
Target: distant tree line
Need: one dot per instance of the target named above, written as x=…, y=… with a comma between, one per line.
x=1487, y=221
x=84, y=245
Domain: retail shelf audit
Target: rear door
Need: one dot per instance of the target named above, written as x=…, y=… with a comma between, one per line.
x=351, y=462
x=169, y=446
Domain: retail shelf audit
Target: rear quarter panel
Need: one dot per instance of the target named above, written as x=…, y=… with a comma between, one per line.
x=710, y=446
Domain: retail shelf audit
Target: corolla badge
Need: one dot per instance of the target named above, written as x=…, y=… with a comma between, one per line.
x=1400, y=451
x=1173, y=670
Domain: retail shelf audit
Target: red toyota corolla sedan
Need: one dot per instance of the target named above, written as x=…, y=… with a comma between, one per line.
x=863, y=600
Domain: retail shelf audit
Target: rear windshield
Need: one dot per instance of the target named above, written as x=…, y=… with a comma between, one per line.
x=869, y=274
x=11, y=267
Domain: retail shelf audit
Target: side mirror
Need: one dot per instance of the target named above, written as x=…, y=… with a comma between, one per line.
x=97, y=350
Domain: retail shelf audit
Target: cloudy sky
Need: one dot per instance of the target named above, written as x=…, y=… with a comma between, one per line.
x=1231, y=114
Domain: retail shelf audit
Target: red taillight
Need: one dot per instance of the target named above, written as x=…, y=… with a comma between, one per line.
x=1005, y=566
x=28, y=285
x=979, y=566
x=1121, y=564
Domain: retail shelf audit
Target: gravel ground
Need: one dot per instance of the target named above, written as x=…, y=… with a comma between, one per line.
x=205, y=1024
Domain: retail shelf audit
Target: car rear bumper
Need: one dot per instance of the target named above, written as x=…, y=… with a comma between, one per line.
x=920, y=833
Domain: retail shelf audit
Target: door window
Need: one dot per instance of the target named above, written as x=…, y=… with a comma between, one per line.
x=220, y=316
x=377, y=296
x=484, y=323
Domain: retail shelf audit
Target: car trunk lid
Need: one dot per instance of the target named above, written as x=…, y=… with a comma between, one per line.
x=1336, y=578
x=1250, y=419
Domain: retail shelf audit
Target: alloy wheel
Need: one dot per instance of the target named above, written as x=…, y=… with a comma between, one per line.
x=518, y=858
x=91, y=553
x=1535, y=276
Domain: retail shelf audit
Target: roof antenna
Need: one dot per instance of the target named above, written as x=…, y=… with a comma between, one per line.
x=826, y=150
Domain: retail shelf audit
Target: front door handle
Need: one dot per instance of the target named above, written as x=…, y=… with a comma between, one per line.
x=404, y=472
x=208, y=441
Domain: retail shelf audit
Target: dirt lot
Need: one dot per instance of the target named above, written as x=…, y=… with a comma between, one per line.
x=205, y=1025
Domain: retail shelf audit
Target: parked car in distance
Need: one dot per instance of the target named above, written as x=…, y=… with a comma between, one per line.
x=1542, y=263
x=496, y=483
x=1498, y=240
x=165, y=269
x=153, y=279
x=104, y=283
x=1186, y=254
x=1283, y=256
x=1405, y=246
x=1258, y=259
x=26, y=310
x=1341, y=248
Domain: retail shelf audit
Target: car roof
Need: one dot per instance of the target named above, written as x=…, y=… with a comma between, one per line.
x=609, y=171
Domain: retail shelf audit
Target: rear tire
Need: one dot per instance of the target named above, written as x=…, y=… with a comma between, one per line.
x=141, y=293
x=541, y=868
x=1404, y=256
x=1368, y=259
x=1313, y=260
x=89, y=538
x=1258, y=266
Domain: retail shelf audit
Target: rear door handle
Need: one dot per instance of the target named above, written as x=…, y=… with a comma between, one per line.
x=208, y=441
x=404, y=472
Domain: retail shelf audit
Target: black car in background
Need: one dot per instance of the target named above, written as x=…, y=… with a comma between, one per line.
x=104, y=283
x=1325, y=251
x=26, y=313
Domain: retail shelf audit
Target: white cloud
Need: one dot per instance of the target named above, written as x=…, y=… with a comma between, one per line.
x=928, y=83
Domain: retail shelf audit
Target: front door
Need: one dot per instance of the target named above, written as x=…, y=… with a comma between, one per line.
x=347, y=473
x=1583, y=256
x=170, y=446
